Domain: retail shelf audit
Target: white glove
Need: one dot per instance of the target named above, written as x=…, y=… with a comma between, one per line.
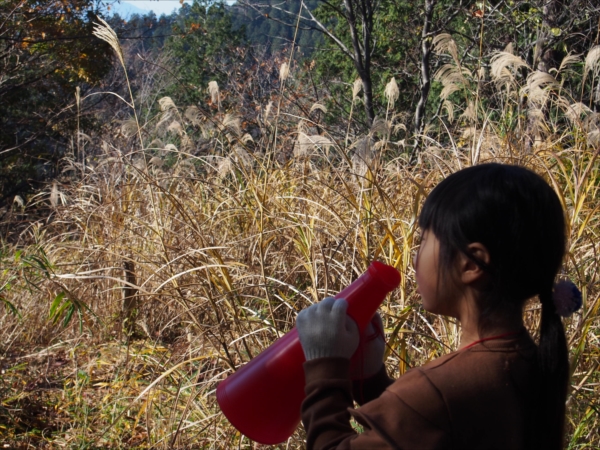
x=325, y=330
x=368, y=359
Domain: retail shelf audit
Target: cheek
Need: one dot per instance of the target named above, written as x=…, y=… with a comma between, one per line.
x=429, y=288
x=425, y=287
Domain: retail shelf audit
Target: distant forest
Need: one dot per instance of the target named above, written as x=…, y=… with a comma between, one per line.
x=268, y=27
x=58, y=80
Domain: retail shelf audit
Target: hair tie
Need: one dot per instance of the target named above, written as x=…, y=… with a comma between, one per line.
x=566, y=297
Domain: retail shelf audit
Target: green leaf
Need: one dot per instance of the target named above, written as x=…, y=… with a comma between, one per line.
x=12, y=308
x=69, y=314
x=55, y=304
x=64, y=307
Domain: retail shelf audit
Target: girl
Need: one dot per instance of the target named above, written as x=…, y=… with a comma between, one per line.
x=493, y=237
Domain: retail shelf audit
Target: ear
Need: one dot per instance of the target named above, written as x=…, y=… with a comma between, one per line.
x=470, y=272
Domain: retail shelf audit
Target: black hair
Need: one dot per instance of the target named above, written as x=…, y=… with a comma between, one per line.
x=517, y=216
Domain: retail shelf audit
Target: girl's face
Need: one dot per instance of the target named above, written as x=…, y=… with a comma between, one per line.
x=438, y=297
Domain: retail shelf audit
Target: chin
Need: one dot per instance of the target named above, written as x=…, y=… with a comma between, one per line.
x=431, y=308
x=436, y=309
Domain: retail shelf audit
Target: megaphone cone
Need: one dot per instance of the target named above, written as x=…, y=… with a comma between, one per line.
x=263, y=398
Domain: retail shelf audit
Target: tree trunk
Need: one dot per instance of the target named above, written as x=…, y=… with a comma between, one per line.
x=425, y=74
x=362, y=49
x=368, y=96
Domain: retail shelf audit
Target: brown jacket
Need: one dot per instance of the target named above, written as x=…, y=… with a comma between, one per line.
x=482, y=397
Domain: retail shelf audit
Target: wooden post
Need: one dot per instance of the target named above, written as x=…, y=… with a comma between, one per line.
x=129, y=298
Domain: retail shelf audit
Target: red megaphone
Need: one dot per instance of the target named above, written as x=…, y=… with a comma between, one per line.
x=263, y=398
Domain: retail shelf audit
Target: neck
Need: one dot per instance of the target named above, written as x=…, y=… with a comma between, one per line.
x=497, y=325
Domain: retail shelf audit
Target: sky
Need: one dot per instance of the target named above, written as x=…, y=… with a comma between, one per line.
x=128, y=7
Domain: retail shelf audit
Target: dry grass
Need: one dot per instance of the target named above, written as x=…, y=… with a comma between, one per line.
x=225, y=246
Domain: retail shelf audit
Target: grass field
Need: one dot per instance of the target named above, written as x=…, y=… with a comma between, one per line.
x=144, y=276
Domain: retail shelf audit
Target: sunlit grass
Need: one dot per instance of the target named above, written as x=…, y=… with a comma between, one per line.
x=225, y=246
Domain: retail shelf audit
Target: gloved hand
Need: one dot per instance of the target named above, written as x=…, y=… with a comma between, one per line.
x=325, y=330
x=368, y=359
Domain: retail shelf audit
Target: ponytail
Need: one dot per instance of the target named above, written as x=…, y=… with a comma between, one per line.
x=553, y=361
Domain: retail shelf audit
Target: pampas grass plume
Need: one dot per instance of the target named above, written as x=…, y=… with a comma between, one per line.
x=193, y=114
x=392, y=92
x=568, y=60
x=380, y=125
x=54, y=194
x=225, y=166
x=356, y=87
x=176, y=128
x=503, y=67
x=443, y=43
x=213, y=89
x=575, y=111
x=129, y=127
x=19, y=201
x=103, y=31
x=166, y=104
x=233, y=124
x=156, y=162
x=284, y=71
x=318, y=106
x=171, y=148
x=592, y=61
x=449, y=107
x=267, y=112
x=469, y=114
